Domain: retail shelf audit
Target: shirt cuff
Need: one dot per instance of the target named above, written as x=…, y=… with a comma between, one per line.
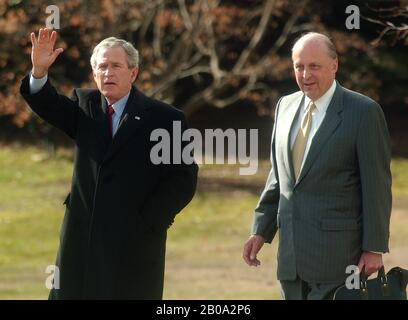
x=37, y=84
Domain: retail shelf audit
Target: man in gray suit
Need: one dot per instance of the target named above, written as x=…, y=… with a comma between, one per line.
x=329, y=190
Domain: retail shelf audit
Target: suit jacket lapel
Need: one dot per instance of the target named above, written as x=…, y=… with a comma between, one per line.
x=134, y=115
x=286, y=123
x=330, y=122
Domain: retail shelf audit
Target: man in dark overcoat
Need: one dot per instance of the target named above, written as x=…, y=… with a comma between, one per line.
x=121, y=204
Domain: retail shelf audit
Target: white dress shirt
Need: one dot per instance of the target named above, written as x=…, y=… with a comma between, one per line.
x=317, y=118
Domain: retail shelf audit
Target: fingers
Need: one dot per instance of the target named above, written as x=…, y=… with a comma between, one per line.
x=53, y=38
x=38, y=38
x=46, y=34
x=43, y=35
x=251, y=249
x=360, y=265
x=255, y=262
x=371, y=262
x=254, y=251
x=44, y=38
x=56, y=53
x=369, y=271
x=246, y=253
x=371, y=268
x=33, y=39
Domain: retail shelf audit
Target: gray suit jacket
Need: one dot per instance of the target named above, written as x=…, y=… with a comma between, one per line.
x=341, y=203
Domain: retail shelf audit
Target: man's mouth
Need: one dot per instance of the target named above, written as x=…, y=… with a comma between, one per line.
x=309, y=84
x=109, y=83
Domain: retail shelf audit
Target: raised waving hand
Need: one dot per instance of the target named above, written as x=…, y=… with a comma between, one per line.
x=43, y=54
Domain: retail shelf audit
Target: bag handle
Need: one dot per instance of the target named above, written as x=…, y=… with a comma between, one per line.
x=382, y=279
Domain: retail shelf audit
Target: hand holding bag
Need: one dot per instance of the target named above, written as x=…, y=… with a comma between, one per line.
x=390, y=286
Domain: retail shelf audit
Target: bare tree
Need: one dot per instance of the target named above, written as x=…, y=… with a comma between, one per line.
x=199, y=47
x=394, y=22
x=216, y=53
x=194, y=53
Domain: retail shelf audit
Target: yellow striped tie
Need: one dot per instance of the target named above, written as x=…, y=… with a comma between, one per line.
x=299, y=147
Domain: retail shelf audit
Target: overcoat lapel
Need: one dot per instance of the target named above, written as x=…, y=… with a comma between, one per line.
x=134, y=115
x=99, y=137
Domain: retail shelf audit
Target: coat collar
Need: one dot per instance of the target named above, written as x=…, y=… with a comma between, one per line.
x=133, y=116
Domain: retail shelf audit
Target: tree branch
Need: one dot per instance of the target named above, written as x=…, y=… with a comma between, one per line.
x=214, y=60
x=192, y=28
x=259, y=32
x=157, y=35
x=287, y=30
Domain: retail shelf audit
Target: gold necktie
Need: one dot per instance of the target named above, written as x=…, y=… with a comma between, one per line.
x=299, y=147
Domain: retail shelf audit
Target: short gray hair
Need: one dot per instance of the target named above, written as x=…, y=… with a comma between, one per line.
x=331, y=49
x=112, y=42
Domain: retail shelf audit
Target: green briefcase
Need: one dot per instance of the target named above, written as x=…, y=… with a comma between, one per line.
x=390, y=286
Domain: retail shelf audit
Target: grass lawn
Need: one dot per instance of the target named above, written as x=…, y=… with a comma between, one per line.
x=204, y=245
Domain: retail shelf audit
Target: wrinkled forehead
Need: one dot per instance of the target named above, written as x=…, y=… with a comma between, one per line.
x=111, y=55
x=310, y=51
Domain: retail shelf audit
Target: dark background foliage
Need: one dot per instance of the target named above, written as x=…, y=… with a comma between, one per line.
x=225, y=63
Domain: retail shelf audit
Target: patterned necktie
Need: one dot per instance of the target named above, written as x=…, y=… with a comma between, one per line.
x=111, y=111
x=299, y=147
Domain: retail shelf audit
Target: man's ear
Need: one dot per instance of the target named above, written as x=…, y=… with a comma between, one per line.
x=94, y=75
x=133, y=74
x=335, y=65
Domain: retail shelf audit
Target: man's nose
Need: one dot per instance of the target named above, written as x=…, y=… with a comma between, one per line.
x=108, y=72
x=306, y=73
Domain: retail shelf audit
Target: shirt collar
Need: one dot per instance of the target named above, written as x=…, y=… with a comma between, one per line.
x=323, y=102
x=119, y=105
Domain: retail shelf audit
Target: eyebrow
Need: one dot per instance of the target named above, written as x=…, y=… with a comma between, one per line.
x=309, y=64
x=107, y=62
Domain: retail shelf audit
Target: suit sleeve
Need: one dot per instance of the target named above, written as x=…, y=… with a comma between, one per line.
x=265, y=216
x=175, y=190
x=58, y=110
x=374, y=158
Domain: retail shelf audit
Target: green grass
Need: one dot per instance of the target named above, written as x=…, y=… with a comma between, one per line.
x=31, y=210
x=399, y=169
x=204, y=245
x=204, y=252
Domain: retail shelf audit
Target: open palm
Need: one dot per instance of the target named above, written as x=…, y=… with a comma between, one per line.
x=43, y=54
